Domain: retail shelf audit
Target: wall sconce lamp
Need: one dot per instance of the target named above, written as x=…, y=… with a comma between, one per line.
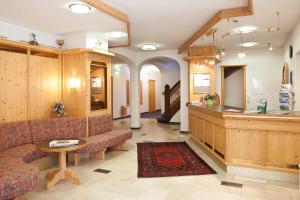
x=74, y=83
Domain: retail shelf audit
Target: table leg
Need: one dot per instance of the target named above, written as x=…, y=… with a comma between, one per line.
x=62, y=173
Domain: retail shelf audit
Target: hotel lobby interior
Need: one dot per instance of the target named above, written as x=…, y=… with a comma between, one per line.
x=140, y=100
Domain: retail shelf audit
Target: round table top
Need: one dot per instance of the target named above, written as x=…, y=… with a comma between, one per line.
x=44, y=146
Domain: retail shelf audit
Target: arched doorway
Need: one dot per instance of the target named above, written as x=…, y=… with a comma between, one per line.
x=168, y=87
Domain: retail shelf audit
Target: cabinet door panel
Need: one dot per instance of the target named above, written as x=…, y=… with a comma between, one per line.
x=209, y=134
x=220, y=140
x=246, y=146
x=193, y=125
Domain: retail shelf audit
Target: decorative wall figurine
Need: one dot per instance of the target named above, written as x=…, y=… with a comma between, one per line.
x=34, y=41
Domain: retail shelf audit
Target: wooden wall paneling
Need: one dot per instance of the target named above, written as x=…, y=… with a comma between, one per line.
x=74, y=99
x=195, y=68
x=13, y=84
x=44, y=74
x=246, y=146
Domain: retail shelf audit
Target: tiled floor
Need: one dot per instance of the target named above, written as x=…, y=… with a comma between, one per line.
x=122, y=183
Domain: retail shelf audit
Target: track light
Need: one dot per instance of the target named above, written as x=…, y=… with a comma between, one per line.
x=223, y=52
x=270, y=46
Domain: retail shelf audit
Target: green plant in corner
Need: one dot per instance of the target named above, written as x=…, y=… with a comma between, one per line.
x=210, y=99
x=58, y=109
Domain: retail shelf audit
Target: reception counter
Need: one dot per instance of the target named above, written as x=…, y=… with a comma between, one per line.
x=236, y=138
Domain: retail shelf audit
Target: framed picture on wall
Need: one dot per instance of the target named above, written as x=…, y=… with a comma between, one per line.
x=201, y=83
x=96, y=85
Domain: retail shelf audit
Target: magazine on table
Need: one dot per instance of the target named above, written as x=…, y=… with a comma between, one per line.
x=63, y=143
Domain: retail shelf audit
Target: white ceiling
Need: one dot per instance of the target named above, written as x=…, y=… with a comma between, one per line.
x=167, y=23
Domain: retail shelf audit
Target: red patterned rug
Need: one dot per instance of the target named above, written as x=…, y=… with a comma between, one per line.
x=169, y=159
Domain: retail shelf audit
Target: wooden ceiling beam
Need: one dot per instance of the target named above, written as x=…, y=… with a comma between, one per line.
x=113, y=12
x=222, y=14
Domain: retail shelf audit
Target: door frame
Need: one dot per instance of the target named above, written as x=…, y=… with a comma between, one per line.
x=244, y=67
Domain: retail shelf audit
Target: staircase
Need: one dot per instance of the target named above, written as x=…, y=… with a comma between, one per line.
x=172, y=103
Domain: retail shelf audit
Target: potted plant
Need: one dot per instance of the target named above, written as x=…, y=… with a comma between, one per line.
x=58, y=109
x=210, y=99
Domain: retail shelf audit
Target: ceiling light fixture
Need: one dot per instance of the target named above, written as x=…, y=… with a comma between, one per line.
x=270, y=46
x=245, y=29
x=249, y=44
x=241, y=54
x=79, y=8
x=117, y=34
x=149, y=47
x=223, y=52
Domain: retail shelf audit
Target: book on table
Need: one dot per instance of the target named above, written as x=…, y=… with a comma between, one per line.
x=63, y=143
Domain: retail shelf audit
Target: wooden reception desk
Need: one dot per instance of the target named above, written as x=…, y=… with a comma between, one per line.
x=265, y=141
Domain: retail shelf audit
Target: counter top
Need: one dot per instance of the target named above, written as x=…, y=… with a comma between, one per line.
x=221, y=111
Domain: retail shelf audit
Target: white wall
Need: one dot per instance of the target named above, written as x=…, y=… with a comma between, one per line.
x=20, y=33
x=261, y=64
x=294, y=63
x=150, y=72
x=234, y=89
x=119, y=89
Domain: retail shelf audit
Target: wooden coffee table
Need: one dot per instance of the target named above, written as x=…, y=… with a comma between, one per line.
x=63, y=172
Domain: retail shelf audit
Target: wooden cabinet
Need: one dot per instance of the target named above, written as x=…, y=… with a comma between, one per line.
x=256, y=141
x=77, y=64
x=30, y=81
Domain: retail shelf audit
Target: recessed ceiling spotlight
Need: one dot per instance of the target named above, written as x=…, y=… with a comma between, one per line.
x=249, y=44
x=79, y=8
x=117, y=34
x=149, y=47
x=245, y=29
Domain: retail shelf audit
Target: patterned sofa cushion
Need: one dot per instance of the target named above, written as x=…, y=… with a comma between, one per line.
x=14, y=134
x=72, y=128
x=16, y=178
x=119, y=136
x=97, y=143
x=58, y=128
x=45, y=129
x=103, y=141
x=100, y=124
x=27, y=153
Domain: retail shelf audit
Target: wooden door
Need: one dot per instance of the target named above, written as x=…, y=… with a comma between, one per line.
x=152, y=97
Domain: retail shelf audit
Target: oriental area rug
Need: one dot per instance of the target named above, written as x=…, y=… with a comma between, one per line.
x=165, y=159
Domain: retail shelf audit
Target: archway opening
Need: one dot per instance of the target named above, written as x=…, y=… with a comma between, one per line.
x=168, y=87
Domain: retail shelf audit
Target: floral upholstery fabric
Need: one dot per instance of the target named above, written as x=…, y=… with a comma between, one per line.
x=119, y=136
x=103, y=141
x=57, y=128
x=97, y=143
x=72, y=128
x=27, y=153
x=16, y=178
x=100, y=124
x=14, y=134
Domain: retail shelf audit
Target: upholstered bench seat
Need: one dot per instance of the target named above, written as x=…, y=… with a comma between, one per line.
x=27, y=153
x=16, y=178
x=106, y=140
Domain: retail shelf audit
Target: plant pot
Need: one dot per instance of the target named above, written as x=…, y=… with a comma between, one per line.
x=210, y=102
